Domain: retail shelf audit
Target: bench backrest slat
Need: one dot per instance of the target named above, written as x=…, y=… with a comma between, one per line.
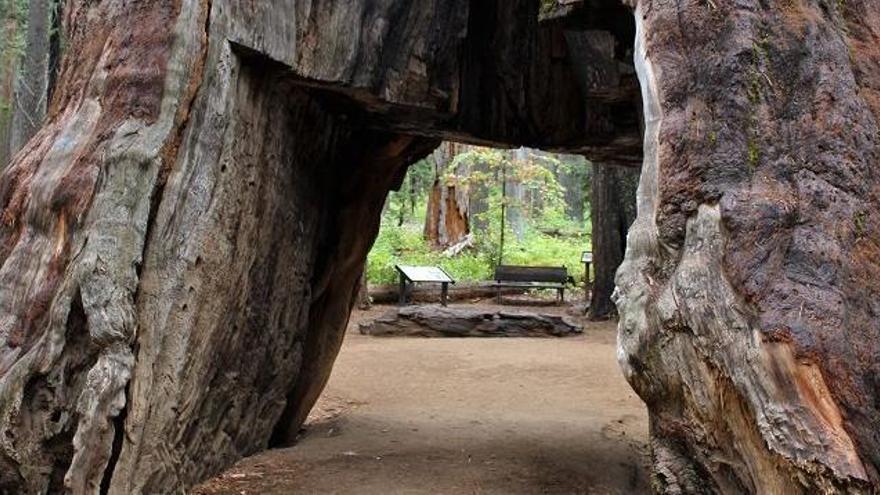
x=512, y=273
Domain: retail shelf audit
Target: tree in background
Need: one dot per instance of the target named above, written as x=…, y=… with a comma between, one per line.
x=13, y=22
x=404, y=205
x=514, y=194
x=32, y=84
x=29, y=49
x=612, y=211
x=575, y=175
x=551, y=235
x=536, y=197
x=447, y=221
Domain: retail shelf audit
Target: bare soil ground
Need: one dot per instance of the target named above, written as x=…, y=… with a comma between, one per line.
x=463, y=416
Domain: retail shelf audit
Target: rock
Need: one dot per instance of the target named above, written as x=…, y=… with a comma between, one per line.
x=436, y=321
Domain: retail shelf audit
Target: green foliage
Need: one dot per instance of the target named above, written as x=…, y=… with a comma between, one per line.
x=754, y=154
x=543, y=200
x=13, y=22
x=548, y=6
x=408, y=204
x=551, y=237
x=404, y=245
x=860, y=219
x=539, y=249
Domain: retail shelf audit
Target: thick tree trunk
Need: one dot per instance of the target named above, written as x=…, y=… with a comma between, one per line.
x=612, y=211
x=181, y=242
x=364, y=301
x=749, y=295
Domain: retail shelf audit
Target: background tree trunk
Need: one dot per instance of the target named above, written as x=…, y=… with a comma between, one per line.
x=447, y=221
x=478, y=199
x=32, y=80
x=364, y=301
x=576, y=181
x=10, y=58
x=516, y=200
x=612, y=210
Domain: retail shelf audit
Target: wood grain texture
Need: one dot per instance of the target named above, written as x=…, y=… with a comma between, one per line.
x=748, y=294
x=182, y=242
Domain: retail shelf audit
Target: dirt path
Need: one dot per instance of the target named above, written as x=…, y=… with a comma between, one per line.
x=463, y=416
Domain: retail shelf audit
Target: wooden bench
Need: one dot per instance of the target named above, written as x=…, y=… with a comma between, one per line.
x=531, y=277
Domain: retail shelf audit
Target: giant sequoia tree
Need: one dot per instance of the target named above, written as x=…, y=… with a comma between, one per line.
x=181, y=242
x=749, y=294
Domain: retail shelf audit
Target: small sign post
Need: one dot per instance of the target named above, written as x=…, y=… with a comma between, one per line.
x=410, y=275
x=587, y=260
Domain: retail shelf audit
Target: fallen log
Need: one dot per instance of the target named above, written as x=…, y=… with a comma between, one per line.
x=435, y=321
x=462, y=291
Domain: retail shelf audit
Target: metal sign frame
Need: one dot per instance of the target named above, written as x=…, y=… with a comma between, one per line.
x=410, y=275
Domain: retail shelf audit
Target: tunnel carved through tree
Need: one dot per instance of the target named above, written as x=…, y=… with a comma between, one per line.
x=181, y=242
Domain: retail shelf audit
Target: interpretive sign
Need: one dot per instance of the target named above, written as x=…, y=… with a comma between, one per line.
x=410, y=275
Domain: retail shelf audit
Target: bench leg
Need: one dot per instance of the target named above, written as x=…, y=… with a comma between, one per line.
x=444, y=294
x=562, y=295
x=498, y=295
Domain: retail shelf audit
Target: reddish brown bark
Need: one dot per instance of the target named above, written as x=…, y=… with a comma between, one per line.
x=749, y=291
x=447, y=220
x=181, y=243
